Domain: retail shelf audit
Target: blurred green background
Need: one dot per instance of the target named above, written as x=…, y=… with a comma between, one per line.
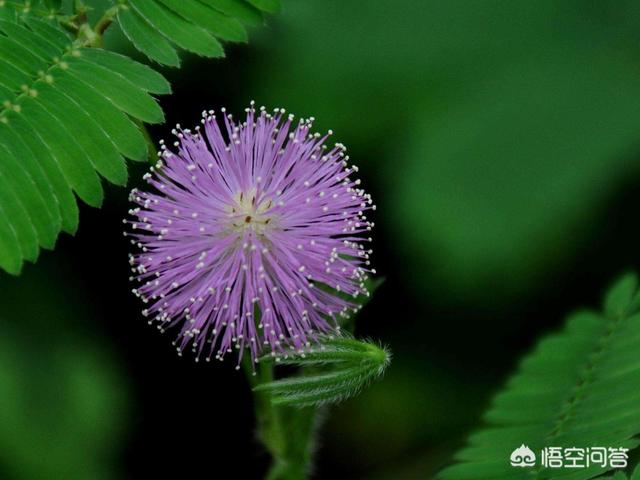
x=500, y=141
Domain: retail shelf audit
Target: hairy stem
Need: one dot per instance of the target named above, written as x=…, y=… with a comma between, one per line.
x=78, y=24
x=287, y=433
x=106, y=20
x=268, y=419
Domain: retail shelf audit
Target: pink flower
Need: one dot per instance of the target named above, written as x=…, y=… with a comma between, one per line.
x=252, y=237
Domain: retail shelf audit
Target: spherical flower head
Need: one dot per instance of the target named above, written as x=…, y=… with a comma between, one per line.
x=252, y=238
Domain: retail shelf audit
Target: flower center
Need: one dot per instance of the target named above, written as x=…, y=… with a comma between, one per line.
x=248, y=212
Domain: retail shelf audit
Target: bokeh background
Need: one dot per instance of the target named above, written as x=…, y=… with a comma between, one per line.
x=501, y=143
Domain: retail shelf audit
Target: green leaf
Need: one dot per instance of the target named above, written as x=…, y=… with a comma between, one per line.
x=194, y=25
x=238, y=9
x=35, y=171
x=622, y=298
x=18, y=223
x=221, y=25
x=176, y=29
x=140, y=75
x=64, y=148
x=120, y=91
x=63, y=121
x=341, y=367
x=53, y=34
x=65, y=200
x=146, y=38
x=101, y=152
x=69, y=115
x=21, y=169
x=18, y=57
x=34, y=43
x=579, y=387
x=11, y=77
x=10, y=253
x=271, y=6
x=123, y=132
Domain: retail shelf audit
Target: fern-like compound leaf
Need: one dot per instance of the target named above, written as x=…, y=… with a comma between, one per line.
x=147, y=39
x=69, y=114
x=66, y=119
x=578, y=388
x=240, y=9
x=216, y=22
x=157, y=27
x=338, y=368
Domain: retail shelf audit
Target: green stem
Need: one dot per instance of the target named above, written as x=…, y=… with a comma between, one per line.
x=78, y=24
x=287, y=433
x=106, y=20
x=268, y=419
